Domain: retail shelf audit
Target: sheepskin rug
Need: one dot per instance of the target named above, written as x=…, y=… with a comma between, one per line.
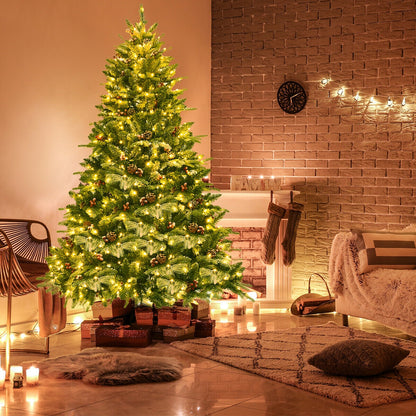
x=98, y=366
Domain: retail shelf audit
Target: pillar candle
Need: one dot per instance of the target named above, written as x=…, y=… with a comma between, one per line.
x=2, y=378
x=224, y=306
x=32, y=376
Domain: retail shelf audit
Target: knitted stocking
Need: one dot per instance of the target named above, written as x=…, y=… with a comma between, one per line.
x=295, y=211
x=271, y=232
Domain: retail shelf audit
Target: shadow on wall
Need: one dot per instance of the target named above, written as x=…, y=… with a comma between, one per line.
x=319, y=223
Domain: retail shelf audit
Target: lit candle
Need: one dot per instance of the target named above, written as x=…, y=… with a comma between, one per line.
x=15, y=369
x=32, y=376
x=251, y=327
x=2, y=378
x=224, y=306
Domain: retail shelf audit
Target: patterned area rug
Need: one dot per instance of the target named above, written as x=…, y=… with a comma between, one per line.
x=282, y=356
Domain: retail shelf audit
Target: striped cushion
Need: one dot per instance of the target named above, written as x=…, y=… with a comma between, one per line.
x=386, y=250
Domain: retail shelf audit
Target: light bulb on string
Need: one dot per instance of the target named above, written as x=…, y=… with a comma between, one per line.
x=389, y=102
x=357, y=97
x=404, y=101
x=340, y=92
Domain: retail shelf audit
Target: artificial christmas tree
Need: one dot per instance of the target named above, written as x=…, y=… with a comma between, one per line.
x=143, y=225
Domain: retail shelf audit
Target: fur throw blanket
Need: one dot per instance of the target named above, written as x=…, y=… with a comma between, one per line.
x=383, y=292
x=99, y=366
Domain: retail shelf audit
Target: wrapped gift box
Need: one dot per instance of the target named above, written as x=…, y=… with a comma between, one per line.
x=144, y=315
x=88, y=324
x=122, y=336
x=178, y=334
x=174, y=316
x=204, y=328
x=112, y=309
x=200, y=309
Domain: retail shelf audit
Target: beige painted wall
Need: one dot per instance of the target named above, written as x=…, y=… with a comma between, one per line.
x=53, y=55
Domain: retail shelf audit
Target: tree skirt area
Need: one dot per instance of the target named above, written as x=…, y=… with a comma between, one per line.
x=283, y=356
x=98, y=366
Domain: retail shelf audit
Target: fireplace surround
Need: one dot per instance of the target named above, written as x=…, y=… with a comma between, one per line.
x=247, y=213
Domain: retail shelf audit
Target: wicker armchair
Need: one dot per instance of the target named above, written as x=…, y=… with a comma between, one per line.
x=22, y=262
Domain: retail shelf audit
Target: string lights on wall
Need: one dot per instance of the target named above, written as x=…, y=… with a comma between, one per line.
x=341, y=92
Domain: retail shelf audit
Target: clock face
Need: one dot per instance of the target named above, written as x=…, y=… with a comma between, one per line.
x=291, y=97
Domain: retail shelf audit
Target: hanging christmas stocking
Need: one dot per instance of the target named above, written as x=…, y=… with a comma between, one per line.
x=271, y=232
x=289, y=254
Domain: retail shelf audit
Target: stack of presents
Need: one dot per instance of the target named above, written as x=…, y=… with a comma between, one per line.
x=127, y=326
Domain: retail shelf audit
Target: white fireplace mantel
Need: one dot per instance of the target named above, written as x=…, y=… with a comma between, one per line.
x=249, y=208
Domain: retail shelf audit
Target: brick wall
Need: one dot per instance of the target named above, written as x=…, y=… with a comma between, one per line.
x=352, y=161
x=247, y=245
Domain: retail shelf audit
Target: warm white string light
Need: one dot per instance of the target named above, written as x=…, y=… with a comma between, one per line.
x=341, y=92
x=324, y=81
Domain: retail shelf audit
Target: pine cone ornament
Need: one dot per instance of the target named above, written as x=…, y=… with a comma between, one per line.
x=111, y=236
x=151, y=197
x=193, y=227
x=145, y=136
x=131, y=169
x=212, y=253
x=68, y=241
x=161, y=258
x=196, y=202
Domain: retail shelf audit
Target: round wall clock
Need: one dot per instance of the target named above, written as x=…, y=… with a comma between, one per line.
x=291, y=97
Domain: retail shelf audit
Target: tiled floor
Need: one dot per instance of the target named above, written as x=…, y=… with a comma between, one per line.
x=206, y=388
